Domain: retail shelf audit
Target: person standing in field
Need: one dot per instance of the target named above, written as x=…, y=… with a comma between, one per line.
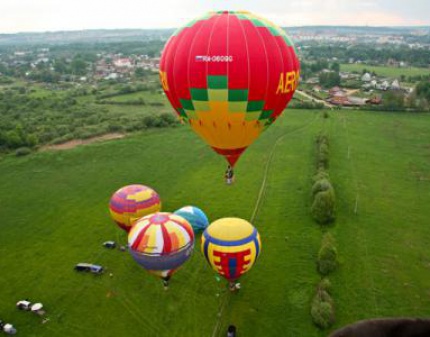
x=229, y=175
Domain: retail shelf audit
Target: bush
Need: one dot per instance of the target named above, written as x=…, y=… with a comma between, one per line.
x=321, y=186
x=323, y=206
x=160, y=121
x=322, y=138
x=321, y=174
x=325, y=285
x=156, y=104
x=327, y=256
x=22, y=151
x=323, y=156
x=114, y=127
x=322, y=151
x=149, y=121
x=169, y=118
x=322, y=310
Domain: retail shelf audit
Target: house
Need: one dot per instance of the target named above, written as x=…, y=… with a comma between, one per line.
x=317, y=88
x=338, y=98
x=366, y=77
x=122, y=63
x=335, y=90
x=395, y=85
x=356, y=101
x=111, y=76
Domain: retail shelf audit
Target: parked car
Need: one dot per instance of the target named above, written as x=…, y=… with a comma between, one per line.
x=88, y=267
x=109, y=244
x=7, y=328
x=28, y=306
x=24, y=305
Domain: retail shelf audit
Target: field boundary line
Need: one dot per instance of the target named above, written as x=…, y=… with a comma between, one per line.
x=357, y=190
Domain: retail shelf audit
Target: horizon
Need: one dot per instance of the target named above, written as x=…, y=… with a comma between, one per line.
x=173, y=28
x=28, y=16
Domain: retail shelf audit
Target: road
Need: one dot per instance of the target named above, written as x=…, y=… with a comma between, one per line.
x=328, y=105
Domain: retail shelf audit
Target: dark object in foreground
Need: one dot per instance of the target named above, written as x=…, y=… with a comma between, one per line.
x=109, y=244
x=231, y=331
x=386, y=327
x=7, y=328
x=89, y=267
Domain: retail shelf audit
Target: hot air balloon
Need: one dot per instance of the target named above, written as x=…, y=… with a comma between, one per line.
x=161, y=243
x=195, y=216
x=132, y=202
x=229, y=75
x=231, y=246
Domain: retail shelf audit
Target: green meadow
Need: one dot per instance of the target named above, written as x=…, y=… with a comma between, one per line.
x=54, y=214
x=392, y=72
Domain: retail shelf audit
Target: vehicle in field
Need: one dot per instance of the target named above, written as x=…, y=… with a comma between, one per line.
x=7, y=328
x=88, y=267
x=26, y=305
x=109, y=244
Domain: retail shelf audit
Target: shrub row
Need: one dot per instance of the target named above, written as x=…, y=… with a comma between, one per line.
x=322, y=308
x=305, y=105
x=323, y=206
x=327, y=255
x=139, y=101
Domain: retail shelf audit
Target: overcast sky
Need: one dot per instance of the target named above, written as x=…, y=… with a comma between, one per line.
x=52, y=15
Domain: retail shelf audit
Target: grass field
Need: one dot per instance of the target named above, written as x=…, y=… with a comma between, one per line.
x=392, y=72
x=54, y=214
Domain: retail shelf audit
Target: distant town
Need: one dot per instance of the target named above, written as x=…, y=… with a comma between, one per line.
x=95, y=82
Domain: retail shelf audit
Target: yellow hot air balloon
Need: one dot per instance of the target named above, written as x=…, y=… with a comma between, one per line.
x=231, y=246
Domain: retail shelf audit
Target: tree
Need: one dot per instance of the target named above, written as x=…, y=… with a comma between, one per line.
x=79, y=66
x=323, y=206
x=13, y=139
x=335, y=67
x=327, y=255
x=393, y=100
x=60, y=66
x=329, y=79
x=423, y=90
x=140, y=72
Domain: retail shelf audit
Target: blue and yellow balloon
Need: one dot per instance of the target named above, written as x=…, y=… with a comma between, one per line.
x=231, y=246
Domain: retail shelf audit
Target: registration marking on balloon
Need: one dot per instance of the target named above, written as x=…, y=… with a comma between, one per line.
x=214, y=58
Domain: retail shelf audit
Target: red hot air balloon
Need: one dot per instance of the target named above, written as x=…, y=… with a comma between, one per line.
x=229, y=75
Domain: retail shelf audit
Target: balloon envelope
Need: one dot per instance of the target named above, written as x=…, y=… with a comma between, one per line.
x=132, y=202
x=229, y=75
x=231, y=246
x=161, y=242
x=195, y=216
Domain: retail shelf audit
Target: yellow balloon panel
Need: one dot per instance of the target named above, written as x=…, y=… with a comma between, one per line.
x=228, y=134
x=229, y=261
x=231, y=246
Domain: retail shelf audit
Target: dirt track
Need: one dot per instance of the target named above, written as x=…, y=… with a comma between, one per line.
x=76, y=142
